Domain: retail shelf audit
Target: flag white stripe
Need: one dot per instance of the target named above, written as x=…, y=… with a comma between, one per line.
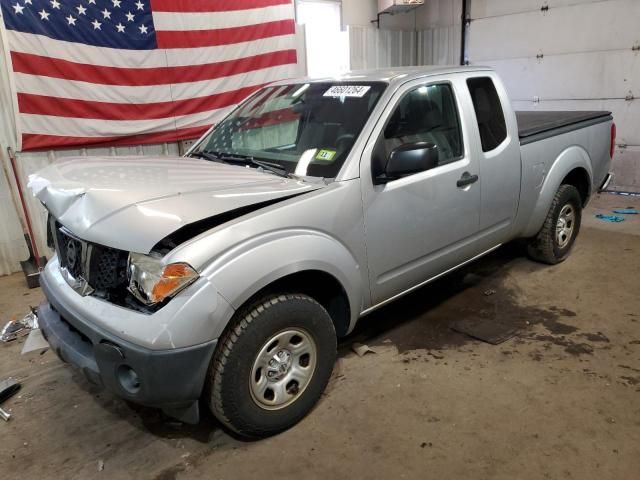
x=56, y=87
x=113, y=57
x=215, y=20
x=83, y=127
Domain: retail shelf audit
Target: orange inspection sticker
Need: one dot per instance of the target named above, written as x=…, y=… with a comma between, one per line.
x=325, y=155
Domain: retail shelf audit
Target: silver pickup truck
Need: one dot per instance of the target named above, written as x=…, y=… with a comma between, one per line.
x=229, y=274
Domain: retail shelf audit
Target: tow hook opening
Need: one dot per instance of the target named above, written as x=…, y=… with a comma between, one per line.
x=128, y=379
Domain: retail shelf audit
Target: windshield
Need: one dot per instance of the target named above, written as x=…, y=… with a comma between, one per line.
x=305, y=129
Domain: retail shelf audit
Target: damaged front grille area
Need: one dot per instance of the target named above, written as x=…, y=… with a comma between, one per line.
x=92, y=269
x=70, y=252
x=107, y=268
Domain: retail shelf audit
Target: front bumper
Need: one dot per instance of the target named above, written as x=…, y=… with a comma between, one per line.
x=168, y=379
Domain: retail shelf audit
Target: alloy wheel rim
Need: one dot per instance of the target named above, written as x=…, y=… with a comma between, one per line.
x=283, y=369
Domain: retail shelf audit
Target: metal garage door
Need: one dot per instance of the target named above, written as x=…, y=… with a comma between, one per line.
x=568, y=54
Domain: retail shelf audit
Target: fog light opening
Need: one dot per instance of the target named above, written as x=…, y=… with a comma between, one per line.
x=128, y=379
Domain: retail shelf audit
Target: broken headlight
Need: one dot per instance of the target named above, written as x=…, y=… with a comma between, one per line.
x=151, y=281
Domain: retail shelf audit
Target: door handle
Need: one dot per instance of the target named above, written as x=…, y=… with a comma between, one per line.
x=466, y=179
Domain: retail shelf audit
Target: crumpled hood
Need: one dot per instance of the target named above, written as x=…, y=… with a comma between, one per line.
x=132, y=203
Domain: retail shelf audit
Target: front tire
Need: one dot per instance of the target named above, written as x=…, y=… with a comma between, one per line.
x=555, y=239
x=271, y=365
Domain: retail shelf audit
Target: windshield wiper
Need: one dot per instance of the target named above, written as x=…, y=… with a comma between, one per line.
x=205, y=155
x=247, y=160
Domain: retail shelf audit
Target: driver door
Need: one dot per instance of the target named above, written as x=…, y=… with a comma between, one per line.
x=421, y=224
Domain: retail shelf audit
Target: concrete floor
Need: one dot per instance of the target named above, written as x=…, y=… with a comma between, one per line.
x=561, y=400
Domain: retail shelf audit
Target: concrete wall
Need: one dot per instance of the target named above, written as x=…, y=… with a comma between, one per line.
x=577, y=54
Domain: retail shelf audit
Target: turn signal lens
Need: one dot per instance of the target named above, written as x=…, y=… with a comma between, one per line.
x=150, y=281
x=172, y=279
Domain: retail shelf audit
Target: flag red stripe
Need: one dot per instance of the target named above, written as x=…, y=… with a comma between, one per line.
x=211, y=6
x=67, y=107
x=275, y=117
x=223, y=36
x=67, y=70
x=32, y=141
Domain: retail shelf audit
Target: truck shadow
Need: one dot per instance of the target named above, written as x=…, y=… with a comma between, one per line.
x=423, y=318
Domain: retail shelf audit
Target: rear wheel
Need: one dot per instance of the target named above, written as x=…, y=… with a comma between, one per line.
x=555, y=239
x=272, y=365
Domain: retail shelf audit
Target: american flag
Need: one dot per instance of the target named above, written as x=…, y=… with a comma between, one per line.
x=123, y=72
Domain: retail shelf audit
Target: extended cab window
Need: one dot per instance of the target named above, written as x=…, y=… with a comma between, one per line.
x=491, y=124
x=426, y=114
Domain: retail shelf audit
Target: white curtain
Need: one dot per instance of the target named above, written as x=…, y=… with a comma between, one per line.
x=12, y=245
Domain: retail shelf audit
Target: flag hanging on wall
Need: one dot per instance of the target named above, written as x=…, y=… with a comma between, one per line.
x=126, y=72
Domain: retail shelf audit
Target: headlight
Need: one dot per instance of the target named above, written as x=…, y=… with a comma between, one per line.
x=150, y=281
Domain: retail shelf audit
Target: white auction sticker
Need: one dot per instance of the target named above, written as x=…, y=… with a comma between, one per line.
x=347, y=91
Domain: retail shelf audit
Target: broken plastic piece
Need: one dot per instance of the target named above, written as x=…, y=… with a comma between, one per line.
x=35, y=342
x=8, y=388
x=5, y=415
x=19, y=328
x=361, y=349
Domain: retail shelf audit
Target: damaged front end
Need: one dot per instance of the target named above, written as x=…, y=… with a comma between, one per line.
x=91, y=269
x=112, y=221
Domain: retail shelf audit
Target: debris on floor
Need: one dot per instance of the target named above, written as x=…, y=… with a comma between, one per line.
x=488, y=330
x=100, y=465
x=361, y=349
x=8, y=388
x=4, y=415
x=610, y=218
x=626, y=211
x=35, y=342
x=489, y=292
x=18, y=328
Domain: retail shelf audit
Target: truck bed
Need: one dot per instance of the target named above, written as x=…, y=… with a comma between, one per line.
x=536, y=125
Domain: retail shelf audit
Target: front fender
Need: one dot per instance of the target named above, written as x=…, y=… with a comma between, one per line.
x=252, y=265
x=571, y=158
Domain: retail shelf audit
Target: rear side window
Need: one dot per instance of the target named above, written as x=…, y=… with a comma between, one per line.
x=491, y=124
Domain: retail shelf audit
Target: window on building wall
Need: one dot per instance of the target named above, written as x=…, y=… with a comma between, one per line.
x=327, y=46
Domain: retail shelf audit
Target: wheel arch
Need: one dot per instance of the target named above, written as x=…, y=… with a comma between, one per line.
x=573, y=167
x=319, y=285
x=579, y=178
x=307, y=262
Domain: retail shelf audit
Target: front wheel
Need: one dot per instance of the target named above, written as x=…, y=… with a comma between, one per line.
x=555, y=239
x=272, y=365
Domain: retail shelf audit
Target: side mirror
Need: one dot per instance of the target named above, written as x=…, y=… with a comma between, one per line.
x=409, y=159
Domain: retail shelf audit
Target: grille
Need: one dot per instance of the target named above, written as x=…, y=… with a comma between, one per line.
x=70, y=253
x=108, y=268
x=103, y=268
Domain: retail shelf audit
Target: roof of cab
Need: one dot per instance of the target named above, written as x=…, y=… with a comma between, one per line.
x=387, y=75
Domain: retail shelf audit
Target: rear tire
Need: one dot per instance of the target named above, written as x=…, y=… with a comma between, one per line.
x=272, y=365
x=555, y=239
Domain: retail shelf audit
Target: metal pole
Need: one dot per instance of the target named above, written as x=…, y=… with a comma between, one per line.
x=25, y=211
x=465, y=21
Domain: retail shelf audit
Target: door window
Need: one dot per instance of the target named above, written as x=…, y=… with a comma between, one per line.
x=425, y=114
x=489, y=114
